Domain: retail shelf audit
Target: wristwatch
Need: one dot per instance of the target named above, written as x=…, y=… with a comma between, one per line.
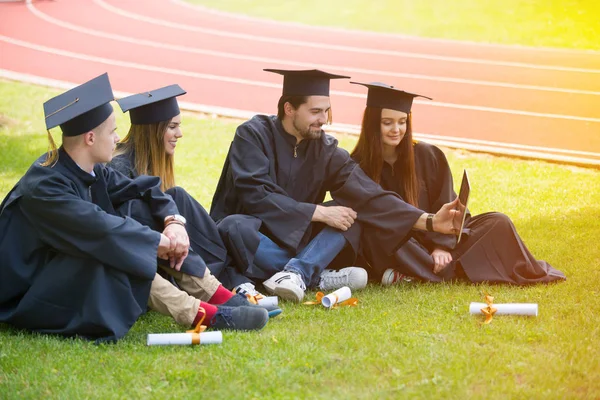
x=429, y=223
x=175, y=219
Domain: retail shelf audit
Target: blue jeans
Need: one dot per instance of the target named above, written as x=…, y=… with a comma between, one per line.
x=309, y=263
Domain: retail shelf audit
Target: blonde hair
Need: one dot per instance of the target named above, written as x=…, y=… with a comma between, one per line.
x=147, y=143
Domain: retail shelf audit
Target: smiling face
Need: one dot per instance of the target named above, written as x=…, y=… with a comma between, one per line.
x=309, y=117
x=172, y=134
x=392, y=126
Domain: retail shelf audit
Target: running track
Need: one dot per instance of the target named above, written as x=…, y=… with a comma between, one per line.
x=540, y=103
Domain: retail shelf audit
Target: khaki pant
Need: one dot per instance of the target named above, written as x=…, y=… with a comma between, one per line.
x=181, y=304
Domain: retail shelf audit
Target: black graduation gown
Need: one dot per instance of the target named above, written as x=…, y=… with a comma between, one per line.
x=271, y=184
x=207, y=246
x=68, y=264
x=490, y=249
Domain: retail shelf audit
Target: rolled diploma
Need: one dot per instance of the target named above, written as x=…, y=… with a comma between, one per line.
x=159, y=339
x=269, y=302
x=507, y=309
x=342, y=293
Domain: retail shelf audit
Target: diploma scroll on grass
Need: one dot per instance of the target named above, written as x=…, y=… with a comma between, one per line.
x=339, y=298
x=530, y=309
x=164, y=339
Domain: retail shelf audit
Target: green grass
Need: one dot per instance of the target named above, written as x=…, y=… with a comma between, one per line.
x=549, y=23
x=408, y=341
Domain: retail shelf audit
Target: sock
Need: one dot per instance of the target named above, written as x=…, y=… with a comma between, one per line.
x=220, y=296
x=209, y=313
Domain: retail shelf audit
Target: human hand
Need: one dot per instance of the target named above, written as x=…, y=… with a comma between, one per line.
x=179, y=244
x=164, y=247
x=448, y=219
x=338, y=217
x=441, y=259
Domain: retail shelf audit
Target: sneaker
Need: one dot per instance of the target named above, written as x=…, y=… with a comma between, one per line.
x=239, y=318
x=392, y=276
x=245, y=294
x=286, y=284
x=353, y=277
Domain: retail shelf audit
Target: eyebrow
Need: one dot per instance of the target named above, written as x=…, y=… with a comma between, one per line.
x=320, y=109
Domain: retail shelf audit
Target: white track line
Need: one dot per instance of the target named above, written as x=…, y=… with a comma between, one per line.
x=266, y=39
x=525, y=151
x=197, y=75
x=383, y=35
x=265, y=60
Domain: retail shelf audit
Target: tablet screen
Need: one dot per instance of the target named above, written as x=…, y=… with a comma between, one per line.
x=463, y=199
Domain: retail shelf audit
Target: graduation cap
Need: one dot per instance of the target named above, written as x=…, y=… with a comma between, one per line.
x=385, y=96
x=311, y=82
x=151, y=107
x=82, y=108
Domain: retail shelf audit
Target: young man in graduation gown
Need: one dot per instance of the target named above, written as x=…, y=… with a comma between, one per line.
x=269, y=198
x=69, y=263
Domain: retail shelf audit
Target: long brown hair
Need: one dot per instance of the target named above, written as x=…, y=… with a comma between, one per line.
x=147, y=143
x=369, y=153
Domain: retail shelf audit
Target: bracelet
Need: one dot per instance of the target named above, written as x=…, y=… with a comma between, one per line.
x=174, y=221
x=429, y=222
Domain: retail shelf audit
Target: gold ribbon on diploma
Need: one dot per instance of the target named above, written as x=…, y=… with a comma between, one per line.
x=199, y=328
x=490, y=310
x=351, y=302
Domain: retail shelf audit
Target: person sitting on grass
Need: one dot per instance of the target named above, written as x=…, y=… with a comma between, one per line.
x=269, y=199
x=72, y=264
x=490, y=248
x=149, y=149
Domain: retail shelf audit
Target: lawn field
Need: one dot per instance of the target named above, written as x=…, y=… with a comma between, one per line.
x=408, y=341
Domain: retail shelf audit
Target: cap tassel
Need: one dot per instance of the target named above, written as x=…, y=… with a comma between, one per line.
x=52, y=156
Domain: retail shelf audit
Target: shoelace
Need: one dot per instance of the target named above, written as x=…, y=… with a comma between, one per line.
x=225, y=314
x=298, y=280
x=334, y=279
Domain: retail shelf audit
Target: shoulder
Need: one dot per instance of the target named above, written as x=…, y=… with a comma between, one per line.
x=40, y=180
x=122, y=163
x=428, y=153
x=259, y=125
x=329, y=141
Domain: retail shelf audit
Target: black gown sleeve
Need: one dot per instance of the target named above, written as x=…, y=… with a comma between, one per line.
x=80, y=228
x=147, y=188
x=385, y=217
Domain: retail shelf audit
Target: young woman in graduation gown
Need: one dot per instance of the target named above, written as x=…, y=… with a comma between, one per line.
x=149, y=149
x=490, y=248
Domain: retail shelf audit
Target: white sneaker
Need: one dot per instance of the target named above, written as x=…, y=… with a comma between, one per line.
x=391, y=276
x=287, y=285
x=353, y=277
x=247, y=289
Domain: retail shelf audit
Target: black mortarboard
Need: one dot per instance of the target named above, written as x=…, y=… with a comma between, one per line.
x=151, y=107
x=82, y=108
x=385, y=96
x=311, y=82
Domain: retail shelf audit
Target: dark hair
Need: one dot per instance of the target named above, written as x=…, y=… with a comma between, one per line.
x=369, y=154
x=295, y=101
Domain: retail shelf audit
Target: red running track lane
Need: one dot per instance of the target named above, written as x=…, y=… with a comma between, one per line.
x=502, y=94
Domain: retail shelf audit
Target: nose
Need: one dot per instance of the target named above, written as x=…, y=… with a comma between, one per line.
x=178, y=133
x=117, y=138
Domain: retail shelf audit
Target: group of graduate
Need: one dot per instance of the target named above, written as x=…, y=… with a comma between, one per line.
x=96, y=231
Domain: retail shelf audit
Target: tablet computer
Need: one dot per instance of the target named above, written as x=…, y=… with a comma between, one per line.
x=463, y=199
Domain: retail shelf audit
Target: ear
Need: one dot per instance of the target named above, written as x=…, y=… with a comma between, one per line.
x=89, y=138
x=288, y=108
